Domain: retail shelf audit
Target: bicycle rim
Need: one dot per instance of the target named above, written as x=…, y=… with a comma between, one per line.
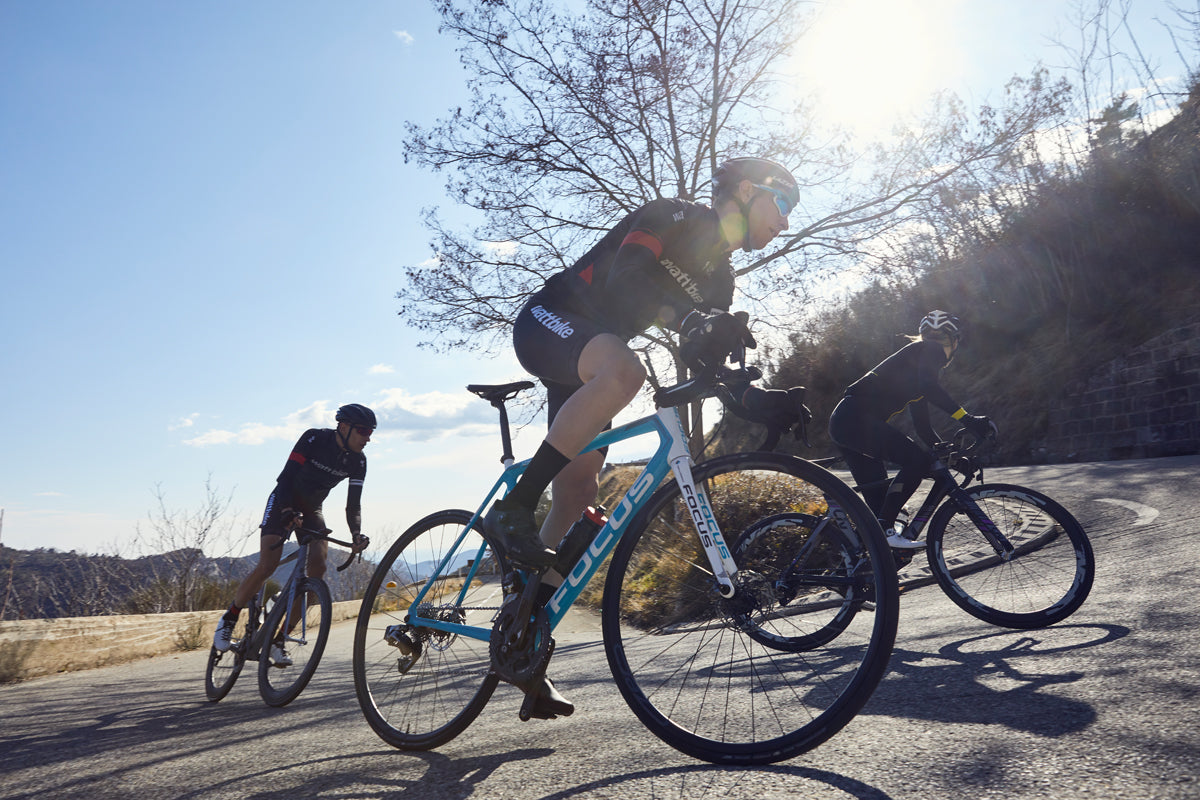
x=419, y=687
x=303, y=640
x=1045, y=580
x=813, y=571
x=700, y=672
x=223, y=670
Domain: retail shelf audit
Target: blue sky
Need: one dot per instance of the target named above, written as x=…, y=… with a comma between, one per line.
x=204, y=213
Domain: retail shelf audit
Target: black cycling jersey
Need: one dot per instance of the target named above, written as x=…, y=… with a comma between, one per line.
x=906, y=379
x=316, y=465
x=859, y=424
x=656, y=265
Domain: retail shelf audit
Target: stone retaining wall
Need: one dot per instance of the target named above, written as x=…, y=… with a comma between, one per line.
x=1143, y=405
x=35, y=647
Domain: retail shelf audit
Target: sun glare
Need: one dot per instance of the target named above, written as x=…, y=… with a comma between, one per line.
x=869, y=63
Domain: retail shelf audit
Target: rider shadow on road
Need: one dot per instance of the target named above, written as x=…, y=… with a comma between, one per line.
x=995, y=679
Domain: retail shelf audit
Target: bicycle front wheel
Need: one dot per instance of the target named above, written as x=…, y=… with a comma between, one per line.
x=783, y=665
x=1043, y=580
x=419, y=687
x=294, y=643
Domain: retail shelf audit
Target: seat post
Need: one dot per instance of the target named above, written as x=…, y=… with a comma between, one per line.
x=496, y=396
x=505, y=437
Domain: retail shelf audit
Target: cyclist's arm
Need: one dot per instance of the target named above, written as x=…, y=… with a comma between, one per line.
x=929, y=367
x=354, y=504
x=653, y=293
x=919, y=411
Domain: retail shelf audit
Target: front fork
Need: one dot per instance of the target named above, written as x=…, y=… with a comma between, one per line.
x=959, y=496
x=724, y=568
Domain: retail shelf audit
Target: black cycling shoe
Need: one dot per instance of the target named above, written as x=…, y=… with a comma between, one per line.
x=511, y=525
x=549, y=704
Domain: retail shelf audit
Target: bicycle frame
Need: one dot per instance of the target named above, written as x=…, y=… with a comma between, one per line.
x=945, y=486
x=287, y=599
x=672, y=455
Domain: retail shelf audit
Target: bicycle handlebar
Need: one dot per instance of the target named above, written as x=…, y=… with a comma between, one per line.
x=306, y=535
x=704, y=384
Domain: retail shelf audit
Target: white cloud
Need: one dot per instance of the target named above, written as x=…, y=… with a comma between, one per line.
x=381, y=369
x=316, y=415
x=500, y=249
x=429, y=404
x=185, y=422
x=432, y=415
x=404, y=36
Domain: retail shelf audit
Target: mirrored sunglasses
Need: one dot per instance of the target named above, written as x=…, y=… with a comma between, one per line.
x=782, y=202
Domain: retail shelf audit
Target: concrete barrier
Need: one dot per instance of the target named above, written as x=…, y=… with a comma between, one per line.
x=34, y=647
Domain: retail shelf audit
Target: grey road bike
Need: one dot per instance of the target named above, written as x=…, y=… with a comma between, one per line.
x=296, y=618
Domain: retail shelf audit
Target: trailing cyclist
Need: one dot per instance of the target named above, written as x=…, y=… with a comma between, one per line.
x=320, y=460
x=907, y=379
x=667, y=264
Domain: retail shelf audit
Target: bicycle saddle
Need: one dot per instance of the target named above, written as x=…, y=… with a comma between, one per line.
x=500, y=392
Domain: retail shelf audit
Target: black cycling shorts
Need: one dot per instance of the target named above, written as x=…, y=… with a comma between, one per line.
x=549, y=341
x=272, y=525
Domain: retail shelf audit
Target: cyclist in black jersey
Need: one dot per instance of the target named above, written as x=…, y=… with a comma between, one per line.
x=666, y=264
x=321, y=459
x=909, y=378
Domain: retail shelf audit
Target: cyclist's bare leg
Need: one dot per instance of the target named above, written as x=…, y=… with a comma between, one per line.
x=317, y=554
x=611, y=375
x=318, y=551
x=269, y=553
x=574, y=489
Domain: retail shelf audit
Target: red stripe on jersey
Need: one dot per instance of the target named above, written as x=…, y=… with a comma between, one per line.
x=297, y=457
x=646, y=240
x=586, y=274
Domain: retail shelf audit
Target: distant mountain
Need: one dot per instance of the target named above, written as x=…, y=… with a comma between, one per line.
x=47, y=583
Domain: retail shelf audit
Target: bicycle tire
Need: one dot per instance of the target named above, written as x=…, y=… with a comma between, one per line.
x=280, y=685
x=1047, y=579
x=680, y=654
x=223, y=669
x=810, y=564
x=419, y=687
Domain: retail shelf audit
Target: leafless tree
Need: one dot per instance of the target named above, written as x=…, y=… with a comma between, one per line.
x=578, y=118
x=175, y=551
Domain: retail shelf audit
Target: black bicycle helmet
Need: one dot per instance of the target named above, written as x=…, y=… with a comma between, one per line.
x=759, y=171
x=941, y=322
x=355, y=414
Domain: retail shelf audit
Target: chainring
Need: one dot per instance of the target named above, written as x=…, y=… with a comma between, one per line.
x=520, y=653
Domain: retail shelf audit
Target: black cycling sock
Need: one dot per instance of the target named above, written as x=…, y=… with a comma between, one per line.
x=545, y=464
x=233, y=612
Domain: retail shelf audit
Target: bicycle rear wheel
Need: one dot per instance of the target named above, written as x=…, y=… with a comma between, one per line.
x=420, y=687
x=302, y=634
x=223, y=670
x=811, y=568
x=748, y=680
x=1046, y=578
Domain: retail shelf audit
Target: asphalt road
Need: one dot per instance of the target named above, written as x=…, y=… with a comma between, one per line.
x=1103, y=706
